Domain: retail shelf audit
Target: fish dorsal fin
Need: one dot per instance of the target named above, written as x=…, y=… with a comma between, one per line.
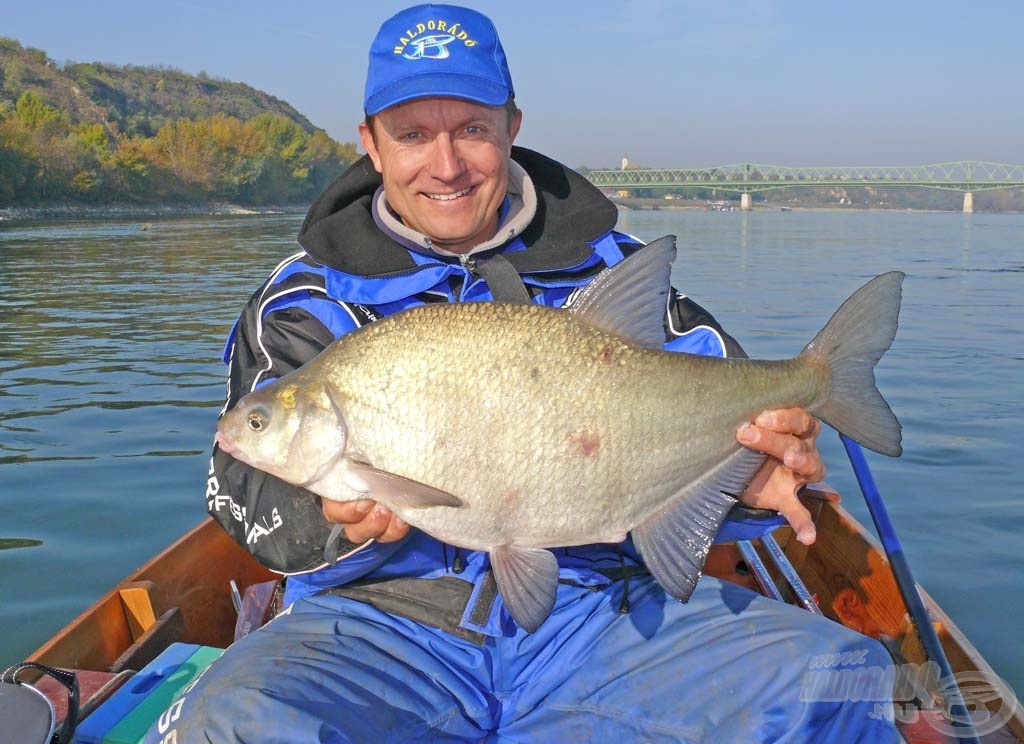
x=629, y=298
x=674, y=542
x=527, y=580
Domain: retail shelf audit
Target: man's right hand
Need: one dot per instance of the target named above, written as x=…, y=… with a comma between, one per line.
x=365, y=519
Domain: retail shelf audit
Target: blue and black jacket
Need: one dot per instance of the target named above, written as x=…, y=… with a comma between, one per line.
x=351, y=272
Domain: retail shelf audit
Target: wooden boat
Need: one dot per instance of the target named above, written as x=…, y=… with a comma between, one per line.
x=183, y=594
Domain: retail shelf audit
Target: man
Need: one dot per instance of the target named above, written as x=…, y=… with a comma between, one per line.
x=391, y=635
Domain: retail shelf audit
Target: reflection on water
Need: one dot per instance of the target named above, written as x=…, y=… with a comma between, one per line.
x=11, y=543
x=110, y=340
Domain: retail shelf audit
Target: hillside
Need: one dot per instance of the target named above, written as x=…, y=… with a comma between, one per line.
x=139, y=100
x=30, y=69
x=99, y=133
x=142, y=99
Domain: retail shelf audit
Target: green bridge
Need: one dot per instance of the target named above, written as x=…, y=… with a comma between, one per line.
x=967, y=176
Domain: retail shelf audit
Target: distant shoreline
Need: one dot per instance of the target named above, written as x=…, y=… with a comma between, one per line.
x=96, y=211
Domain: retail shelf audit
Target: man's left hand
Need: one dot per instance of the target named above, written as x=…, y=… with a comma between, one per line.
x=788, y=437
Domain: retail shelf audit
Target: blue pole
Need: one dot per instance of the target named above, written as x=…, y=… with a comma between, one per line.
x=908, y=588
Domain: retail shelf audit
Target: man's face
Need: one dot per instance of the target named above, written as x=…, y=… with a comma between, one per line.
x=444, y=163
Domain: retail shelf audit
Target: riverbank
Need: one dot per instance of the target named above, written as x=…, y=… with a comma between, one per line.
x=100, y=211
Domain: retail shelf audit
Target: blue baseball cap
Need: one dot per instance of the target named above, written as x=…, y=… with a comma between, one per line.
x=436, y=50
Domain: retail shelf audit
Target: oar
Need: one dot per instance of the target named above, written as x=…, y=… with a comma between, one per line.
x=908, y=588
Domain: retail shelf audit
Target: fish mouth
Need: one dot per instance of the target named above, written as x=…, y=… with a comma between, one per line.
x=223, y=443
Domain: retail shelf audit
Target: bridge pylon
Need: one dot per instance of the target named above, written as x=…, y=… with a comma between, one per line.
x=968, y=202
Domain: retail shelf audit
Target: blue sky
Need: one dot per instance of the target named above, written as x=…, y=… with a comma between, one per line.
x=670, y=83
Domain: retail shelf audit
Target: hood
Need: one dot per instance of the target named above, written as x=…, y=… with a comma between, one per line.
x=340, y=231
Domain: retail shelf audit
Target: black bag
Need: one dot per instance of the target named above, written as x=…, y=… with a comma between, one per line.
x=27, y=715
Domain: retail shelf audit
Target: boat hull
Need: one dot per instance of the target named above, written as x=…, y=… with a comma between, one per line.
x=183, y=594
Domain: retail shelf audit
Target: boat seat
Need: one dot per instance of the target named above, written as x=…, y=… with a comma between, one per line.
x=747, y=523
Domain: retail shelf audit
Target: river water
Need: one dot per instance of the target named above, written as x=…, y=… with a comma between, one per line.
x=110, y=384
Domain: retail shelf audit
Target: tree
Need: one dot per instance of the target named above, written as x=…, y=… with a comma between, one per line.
x=36, y=115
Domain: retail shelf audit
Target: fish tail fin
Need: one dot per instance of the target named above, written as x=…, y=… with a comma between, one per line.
x=850, y=345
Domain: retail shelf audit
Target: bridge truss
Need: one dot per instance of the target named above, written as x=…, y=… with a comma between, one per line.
x=966, y=176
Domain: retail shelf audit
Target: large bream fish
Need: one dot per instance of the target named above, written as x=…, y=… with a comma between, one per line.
x=515, y=428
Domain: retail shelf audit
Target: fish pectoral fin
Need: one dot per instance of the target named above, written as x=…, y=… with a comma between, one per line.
x=527, y=579
x=675, y=541
x=395, y=490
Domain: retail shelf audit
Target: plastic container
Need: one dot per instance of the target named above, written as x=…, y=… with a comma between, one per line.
x=126, y=716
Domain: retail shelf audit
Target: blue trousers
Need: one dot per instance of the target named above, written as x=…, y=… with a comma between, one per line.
x=728, y=666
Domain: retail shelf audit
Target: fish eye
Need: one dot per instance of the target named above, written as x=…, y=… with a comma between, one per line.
x=258, y=420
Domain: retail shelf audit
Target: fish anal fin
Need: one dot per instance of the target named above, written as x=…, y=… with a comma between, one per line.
x=527, y=580
x=674, y=542
x=395, y=491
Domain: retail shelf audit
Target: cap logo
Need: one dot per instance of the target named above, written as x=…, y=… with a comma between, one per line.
x=432, y=46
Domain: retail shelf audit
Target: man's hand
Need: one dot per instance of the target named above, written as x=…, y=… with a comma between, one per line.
x=365, y=519
x=788, y=437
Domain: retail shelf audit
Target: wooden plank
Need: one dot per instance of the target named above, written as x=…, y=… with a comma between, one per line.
x=162, y=633
x=138, y=606
x=850, y=575
x=92, y=640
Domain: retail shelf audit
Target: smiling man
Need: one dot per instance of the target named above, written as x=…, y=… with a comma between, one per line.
x=444, y=164
x=391, y=635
